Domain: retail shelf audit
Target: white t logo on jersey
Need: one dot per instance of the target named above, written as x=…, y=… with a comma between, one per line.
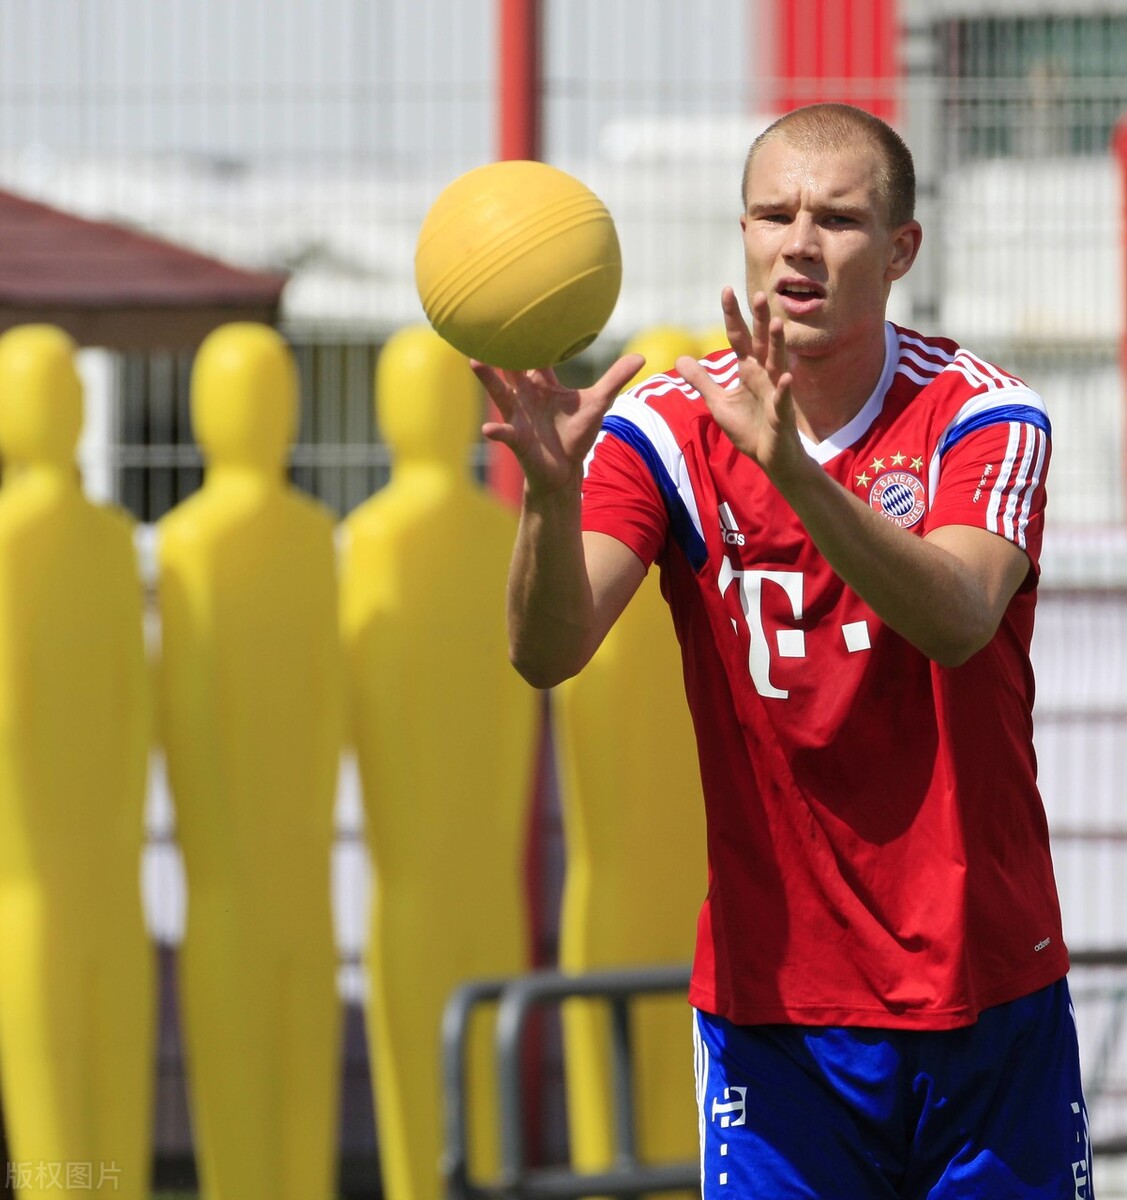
x=789, y=643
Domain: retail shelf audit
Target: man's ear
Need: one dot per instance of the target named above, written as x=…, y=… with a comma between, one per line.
x=905, y=246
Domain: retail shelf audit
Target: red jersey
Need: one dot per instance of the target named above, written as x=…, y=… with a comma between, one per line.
x=878, y=849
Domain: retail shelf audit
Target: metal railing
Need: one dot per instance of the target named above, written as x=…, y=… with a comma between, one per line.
x=517, y=1000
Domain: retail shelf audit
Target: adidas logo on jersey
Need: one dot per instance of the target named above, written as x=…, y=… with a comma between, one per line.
x=728, y=528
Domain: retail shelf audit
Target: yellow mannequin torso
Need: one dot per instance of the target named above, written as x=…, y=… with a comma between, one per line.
x=251, y=717
x=445, y=735
x=77, y=984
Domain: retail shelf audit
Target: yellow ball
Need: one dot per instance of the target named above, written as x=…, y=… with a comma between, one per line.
x=518, y=265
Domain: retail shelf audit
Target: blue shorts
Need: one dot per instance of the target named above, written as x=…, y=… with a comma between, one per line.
x=993, y=1110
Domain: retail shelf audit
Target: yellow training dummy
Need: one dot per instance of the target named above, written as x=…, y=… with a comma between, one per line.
x=77, y=983
x=251, y=716
x=636, y=872
x=445, y=733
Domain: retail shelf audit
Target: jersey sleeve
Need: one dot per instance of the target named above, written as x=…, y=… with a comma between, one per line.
x=991, y=475
x=621, y=499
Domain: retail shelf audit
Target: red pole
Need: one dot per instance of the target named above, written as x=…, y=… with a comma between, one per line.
x=519, y=78
x=519, y=89
x=519, y=126
x=837, y=50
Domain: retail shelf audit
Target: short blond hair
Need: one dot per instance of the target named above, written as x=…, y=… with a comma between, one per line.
x=818, y=128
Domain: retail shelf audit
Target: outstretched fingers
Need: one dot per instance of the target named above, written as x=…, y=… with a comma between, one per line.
x=618, y=375
x=548, y=425
x=775, y=361
x=763, y=340
x=694, y=374
x=497, y=387
x=783, y=405
x=740, y=338
x=760, y=326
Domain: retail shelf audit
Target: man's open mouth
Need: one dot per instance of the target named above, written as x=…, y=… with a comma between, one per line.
x=795, y=289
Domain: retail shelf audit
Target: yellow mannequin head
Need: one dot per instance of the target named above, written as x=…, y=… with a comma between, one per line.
x=40, y=396
x=244, y=397
x=428, y=401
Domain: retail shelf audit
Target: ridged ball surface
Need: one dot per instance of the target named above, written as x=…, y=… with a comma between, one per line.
x=518, y=265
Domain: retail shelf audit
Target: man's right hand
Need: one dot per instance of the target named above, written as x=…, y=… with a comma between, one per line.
x=566, y=588
x=550, y=428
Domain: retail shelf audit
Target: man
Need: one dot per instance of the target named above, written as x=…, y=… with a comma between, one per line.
x=847, y=517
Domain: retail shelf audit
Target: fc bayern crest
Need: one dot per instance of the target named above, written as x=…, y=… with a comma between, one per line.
x=899, y=495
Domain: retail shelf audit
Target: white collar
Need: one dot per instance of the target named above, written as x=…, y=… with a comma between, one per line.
x=833, y=445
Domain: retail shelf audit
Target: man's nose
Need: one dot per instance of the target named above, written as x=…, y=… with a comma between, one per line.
x=803, y=240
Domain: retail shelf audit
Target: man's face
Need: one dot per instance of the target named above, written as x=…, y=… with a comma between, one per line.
x=817, y=242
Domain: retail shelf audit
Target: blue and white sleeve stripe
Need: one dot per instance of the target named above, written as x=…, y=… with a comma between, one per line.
x=638, y=426
x=1021, y=472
